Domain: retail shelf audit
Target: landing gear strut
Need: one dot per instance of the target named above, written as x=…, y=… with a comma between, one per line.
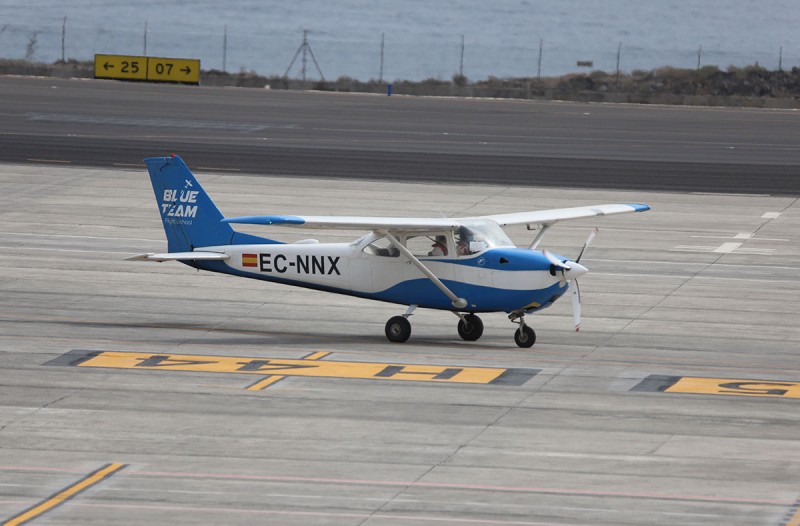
x=525, y=336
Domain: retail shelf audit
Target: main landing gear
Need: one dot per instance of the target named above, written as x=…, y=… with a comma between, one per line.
x=470, y=328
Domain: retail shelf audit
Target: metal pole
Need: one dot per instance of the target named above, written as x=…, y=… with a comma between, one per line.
x=63, y=37
x=461, y=66
x=145, y=38
x=539, y=65
x=305, y=51
x=699, y=54
x=619, y=51
x=780, y=59
x=380, y=75
x=225, y=50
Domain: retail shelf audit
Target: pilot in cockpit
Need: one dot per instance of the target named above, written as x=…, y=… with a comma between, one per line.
x=439, y=247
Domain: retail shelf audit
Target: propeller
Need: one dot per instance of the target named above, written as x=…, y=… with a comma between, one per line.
x=589, y=240
x=576, y=304
x=578, y=270
x=557, y=263
x=576, y=291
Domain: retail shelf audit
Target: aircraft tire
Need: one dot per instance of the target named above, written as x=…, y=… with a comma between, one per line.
x=398, y=329
x=472, y=329
x=525, y=337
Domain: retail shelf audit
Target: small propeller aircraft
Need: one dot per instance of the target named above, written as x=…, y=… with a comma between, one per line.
x=464, y=265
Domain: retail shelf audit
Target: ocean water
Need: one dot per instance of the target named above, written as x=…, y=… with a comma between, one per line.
x=422, y=38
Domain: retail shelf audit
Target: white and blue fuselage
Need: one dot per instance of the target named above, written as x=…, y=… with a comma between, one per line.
x=496, y=279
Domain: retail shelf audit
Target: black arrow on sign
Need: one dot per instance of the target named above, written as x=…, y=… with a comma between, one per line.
x=108, y=66
x=186, y=70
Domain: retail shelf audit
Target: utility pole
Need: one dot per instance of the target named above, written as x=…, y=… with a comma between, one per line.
x=63, y=38
x=225, y=49
x=619, y=51
x=380, y=75
x=305, y=48
x=145, y=38
x=699, y=54
x=539, y=65
x=780, y=59
x=461, y=66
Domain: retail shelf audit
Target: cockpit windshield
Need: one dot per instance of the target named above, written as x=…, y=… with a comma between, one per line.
x=476, y=235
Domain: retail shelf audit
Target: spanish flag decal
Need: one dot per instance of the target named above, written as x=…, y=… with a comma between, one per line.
x=249, y=260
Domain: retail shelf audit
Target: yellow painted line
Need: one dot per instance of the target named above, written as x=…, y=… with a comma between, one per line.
x=735, y=387
x=794, y=515
x=317, y=355
x=263, y=384
x=270, y=380
x=308, y=367
x=64, y=495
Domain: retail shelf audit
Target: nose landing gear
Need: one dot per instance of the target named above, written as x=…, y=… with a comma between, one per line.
x=525, y=336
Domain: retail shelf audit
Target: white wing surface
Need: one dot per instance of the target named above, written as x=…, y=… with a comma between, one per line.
x=541, y=217
x=548, y=217
x=351, y=222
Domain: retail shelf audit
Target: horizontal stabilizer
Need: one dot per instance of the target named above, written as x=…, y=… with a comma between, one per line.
x=179, y=256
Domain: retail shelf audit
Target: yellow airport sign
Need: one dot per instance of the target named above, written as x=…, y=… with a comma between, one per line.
x=122, y=67
x=311, y=366
x=154, y=69
x=173, y=70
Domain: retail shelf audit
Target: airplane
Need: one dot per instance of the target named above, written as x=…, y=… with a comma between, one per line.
x=465, y=265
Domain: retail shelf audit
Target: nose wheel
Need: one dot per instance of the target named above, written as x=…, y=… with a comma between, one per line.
x=525, y=336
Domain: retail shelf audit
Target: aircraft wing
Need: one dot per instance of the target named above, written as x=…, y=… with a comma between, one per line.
x=541, y=217
x=351, y=222
x=548, y=217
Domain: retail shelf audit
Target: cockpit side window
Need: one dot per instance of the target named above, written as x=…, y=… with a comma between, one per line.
x=382, y=247
x=428, y=245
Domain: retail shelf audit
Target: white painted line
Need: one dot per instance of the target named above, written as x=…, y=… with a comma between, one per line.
x=742, y=235
x=770, y=215
x=50, y=161
x=730, y=195
x=727, y=248
x=217, y=169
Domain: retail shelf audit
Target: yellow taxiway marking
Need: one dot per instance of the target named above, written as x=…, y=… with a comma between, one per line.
x=310, y=366
x=64, y=495
x=735, y=387
x=270, y=380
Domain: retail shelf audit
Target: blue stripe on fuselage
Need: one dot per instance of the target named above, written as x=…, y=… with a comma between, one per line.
x=422, y=292
x=504, y=258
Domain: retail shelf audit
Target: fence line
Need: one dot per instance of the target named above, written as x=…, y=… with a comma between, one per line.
x=380, y=58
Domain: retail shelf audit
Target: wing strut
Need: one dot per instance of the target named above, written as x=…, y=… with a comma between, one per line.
x=457, y=302
x=539, y=236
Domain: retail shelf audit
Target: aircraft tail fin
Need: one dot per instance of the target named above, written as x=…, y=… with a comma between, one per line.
x=191, y=219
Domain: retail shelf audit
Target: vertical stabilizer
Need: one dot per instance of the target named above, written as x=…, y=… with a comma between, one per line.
x=191, y=219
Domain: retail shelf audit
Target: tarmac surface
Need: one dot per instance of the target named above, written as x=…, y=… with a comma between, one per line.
x=144, y=393
x=360, y=136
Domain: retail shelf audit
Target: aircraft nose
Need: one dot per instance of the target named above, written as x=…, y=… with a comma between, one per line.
x=576, y=270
